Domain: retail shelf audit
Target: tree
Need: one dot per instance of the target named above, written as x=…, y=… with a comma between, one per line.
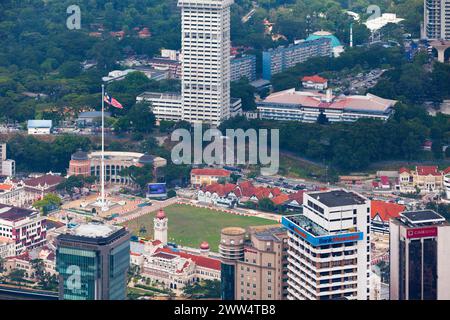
x=2, y=264
x=17, y=275
x=171, y=193
x=206, y=289
x=266, y=204
x=322, y=118
x=70, y=69
x=71, y=183
x=49, y=201
x=141, y=176
x=243, y=90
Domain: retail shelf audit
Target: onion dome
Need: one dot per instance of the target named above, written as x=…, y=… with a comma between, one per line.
x=146, y=159
x=160, y=215
x=204, y=245
x=80, y=155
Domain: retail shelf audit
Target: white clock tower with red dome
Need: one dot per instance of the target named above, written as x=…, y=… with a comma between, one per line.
x=160, y=227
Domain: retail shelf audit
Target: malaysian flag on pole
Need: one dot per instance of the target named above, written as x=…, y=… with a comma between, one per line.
x=112, y=102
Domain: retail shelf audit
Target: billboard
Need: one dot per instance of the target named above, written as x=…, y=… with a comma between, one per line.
x=157, y=191
x=417, y=233
x=321, y=240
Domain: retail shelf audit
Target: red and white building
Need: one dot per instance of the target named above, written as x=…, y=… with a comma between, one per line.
x=42, y=185
x=201, y=177
x=175, y=269
x=229, y=194
x=422, y=178
x=26, y=228
x=314, y=82
x=24, y=261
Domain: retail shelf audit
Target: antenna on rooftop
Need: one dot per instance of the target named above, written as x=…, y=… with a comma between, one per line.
x=351, y=35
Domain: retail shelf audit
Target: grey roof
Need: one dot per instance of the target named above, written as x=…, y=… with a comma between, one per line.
x=338, y=198
x=147, y=159
x=80, y=155
x=423, y=216
x=270, y=234
x=93, y=114
x=308, y=225
x=39, y=123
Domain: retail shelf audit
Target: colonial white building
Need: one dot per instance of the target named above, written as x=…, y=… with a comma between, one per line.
x=168, y=105
x=306, y=106
x=174, y=269
x=206, y=60
x=165, y=106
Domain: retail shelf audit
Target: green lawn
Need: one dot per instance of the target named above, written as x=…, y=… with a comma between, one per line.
x=189, y=226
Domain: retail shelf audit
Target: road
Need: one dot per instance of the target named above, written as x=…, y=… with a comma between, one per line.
x=156, y=205
x=7, y=293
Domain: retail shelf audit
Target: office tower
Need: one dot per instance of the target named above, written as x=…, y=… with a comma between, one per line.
x=206, y=60
x=92, y=261
x=231, y=250
x=419, y=256
x=262, y=273
x=437, y=19
x=329, y=247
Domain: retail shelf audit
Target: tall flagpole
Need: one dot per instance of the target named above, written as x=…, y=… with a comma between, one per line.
x=102, y=175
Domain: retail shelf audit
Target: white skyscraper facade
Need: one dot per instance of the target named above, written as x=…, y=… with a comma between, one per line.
x=329, y=247
x=206, y=60
x=437, y=19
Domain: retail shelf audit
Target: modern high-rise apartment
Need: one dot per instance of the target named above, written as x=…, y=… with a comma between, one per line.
x=437, y=19
x=329, y=247
x=92, y=261
x=419, y=256
x=206, y=60
x=262, y=273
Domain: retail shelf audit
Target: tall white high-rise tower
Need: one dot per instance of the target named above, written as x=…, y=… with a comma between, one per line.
x=437, y=19
x=206, y=60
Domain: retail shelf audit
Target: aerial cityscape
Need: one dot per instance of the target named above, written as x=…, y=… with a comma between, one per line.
x=229, y=150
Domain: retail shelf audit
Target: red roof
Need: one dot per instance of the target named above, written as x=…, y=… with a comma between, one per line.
x=427, y=171
x=221, y=189
x=385, y=180
x=201, y=261
x=282, y=198
x=385, y=210
x=5, y=187
x=298, y=196
x=276, y=191
x=446, y=171
x=261, y=193
x=247, y=188
x=403, y=170
x=211, y=172
x=315, y=79
x=48, y=179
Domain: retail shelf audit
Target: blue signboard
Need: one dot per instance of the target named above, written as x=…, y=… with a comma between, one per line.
x=321, y=240
x=157, y=190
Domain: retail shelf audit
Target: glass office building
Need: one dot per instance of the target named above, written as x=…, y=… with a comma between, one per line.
x=92, y=262
x=419, y=256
